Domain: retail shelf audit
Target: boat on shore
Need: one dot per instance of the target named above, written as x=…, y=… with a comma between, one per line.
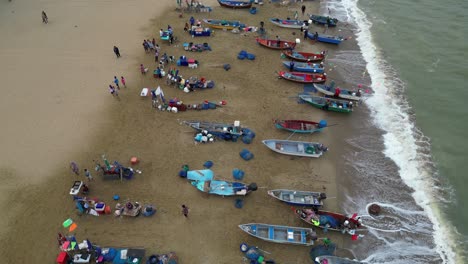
x=301, y=126
x=325, y=38
x=285, y=23
x=336, y=260
x=328, y=104
x=303, y=77
x=224, y=24
x=303, y=56
x=275, y=44
x=299, y=198
x=338, y=92
x=235, y=4
x=323, y=20
x=225, y=188
x=331, y=221
x=305, y=67
x=200, y=175
x=296, y=148
x=200, y=32
x=281, y=234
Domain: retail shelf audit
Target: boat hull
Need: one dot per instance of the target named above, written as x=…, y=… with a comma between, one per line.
x=325, y=38
x=295, y=148
x=281, y=234
x=295, y=24
x=344, y=94
x=235, y=4
x=298, y=198
x=223, y=24
x=299, y=126
x=303, y=56
x=273, y=44
x=301, y=77
x=322, y=20
x=321, y=102
x=304, y=67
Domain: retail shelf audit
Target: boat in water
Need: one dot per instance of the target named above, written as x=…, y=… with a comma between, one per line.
x=303, y=77
x=296, y=148
x=275, y=44
x=305, y=67
x=299, y=198
x=336, y=260
x=296, y=24
x=328, y=104
x=323, y=20
x=301, y=126
x=325, y=38
x=281, y=234
x=225, y=188
x=330, y=90
x=303, y=56
x=331, y=221
x=235, y=4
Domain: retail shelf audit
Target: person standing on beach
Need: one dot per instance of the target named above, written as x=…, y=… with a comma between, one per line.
x=303, y=8
x=122, y=79
x=142, y=69
x=45, y=19
x=185, y=210
x=74, y=168
x=88, y=175
x=116, y=51
x=156, y=56
x=116, y=81
x=278, y=41
x=291, y=66
x=112, y=90
x=306, y=31
x=192, y=21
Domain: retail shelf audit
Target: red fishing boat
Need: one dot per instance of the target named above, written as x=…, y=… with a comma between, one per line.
x=303, y=56
x=303, y=77
x=275, y=44
x=301, y=126
x=331, y=221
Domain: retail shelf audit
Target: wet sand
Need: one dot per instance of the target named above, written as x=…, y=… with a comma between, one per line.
x=130, y=127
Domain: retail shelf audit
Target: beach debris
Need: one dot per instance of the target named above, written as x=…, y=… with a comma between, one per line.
x=246, y=154
x=204, y=137
x=238, y=174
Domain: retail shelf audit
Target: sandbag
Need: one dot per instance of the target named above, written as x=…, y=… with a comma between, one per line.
x=248, y=132
x=250, y=56
x=246, y=155
x=208, y=164
x=240, y=57
x=247, y=139
x=238, y=174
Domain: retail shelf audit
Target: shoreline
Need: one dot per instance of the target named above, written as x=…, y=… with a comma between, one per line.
x=147, y=131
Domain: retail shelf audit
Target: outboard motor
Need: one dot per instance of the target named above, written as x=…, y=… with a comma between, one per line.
x=252, y=187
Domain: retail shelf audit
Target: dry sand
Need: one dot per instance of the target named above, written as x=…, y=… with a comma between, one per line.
x=55, y=88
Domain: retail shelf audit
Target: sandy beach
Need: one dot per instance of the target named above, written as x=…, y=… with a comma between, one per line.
x=56, y=108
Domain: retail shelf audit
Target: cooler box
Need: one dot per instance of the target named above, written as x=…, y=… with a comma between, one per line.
x=62, y=258
x=100, y=208
x=191, y=61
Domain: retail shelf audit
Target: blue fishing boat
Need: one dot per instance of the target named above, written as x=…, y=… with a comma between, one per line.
x=236, y=4
x=288, y=23
x=325, y=38
x=324, y=20
x=301, y=126
x=281, y=234
x=305, y=67
x=296, y=148
x=225, y=188
x=299, y=198
x=200, y=175
x=328, y=104
x=200, y=32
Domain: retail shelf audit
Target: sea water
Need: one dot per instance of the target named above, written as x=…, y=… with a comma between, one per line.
x=410, y=150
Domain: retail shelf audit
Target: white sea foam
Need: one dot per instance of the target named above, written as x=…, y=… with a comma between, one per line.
x=389, y=112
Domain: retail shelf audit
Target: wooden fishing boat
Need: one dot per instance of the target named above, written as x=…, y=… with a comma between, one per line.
x=305, y=67
x=235, y=4
x=275, y=44
x=288, y=23
x=302, y=77
x=324, y=20
x=233, y=129
x=301, y=198
x=336, y=260
x=225, y=188
x=296, y=148
x=342, y=93
x=281, y=234
x=223, y=24
x=325, y=38
x=303, y=56
x=301, y=126
x=331, y=221
x=328, y=104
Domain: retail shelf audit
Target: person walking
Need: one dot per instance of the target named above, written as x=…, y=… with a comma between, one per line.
x=45, y=19
x=303, y=8
x=74, y=168
x=112, y=90
x=122, y=79
x=142, y=69
x=116, y=81
x=88, y=175
x=185, y=210
x=156, y=56
x=116, y=51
